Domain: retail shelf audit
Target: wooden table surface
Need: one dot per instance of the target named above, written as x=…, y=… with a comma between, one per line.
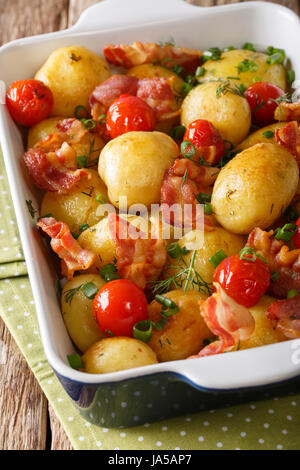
x=27, y=420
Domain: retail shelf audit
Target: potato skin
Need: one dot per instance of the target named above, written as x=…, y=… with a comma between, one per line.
x=116, y=354
x=227, y=66
x=265, y=331
x=214, y=241
x=76, y=207
x=133, y=166
x=156, y=71
x=229, y=113
x=254, y=188
x=184, y=333
x=257, y=137
x=41, y=130
x=72, y=73
x=78, y=313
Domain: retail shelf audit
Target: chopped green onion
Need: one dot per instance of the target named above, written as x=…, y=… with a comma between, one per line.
x=89, y=123
x=109, y=333
x=242, y=88
x=177, y=133
x=83, y=227
x=109, y=272
x=81, y=112
x=290, y=75
x=75, y=361
x=160, y=324
x=187, y=149
x=248, y=254
x=175, y=251
x=75, y=235
x=143, y=330
x=90, y=290
x=229, y=48
x=276, y=56
x=208, y=209
x=186, y=88
x=268, y=134
x=292, y=293
x=169, y=307
x=286, y=233
x=200, y=72
x=247, y=66
x=101, y=199
x=213, y=53
x=178, y=69
x=203, y=198
x=248, y=46
x=102, y=119
x=256, y=79
x=81, y=161
x=217, y=258
x=274, y=275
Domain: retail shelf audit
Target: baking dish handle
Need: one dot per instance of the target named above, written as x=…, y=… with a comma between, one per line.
x=108, y=14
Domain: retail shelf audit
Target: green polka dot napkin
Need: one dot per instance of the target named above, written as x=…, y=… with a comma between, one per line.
x=269, y=424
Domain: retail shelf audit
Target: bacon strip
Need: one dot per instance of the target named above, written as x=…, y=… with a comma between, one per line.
x=74, y=258
x=227, y=320
x=140, y=256
x=280, y=259
x=52, y=163
x=289, y=137
x=287, y=112
x=182, y=182
x=287, y=314
x=137, y=54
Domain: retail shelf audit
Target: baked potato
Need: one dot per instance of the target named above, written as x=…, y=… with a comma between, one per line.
x=258, y=136
x=247, y=66
x=79, y=206
x=40, y=131
x=72, y=73
x=116, y=354
x=77, y=312
x=133, y=166
x=185, y=331
x=228, y=112
x=254, y=188
x=265, y=330
x=214, y=241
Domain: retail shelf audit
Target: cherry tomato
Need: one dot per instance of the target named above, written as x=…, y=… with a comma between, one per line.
x=261, y=98
x=118, y=306
x=202, y=134
x=29, y=101
x=129, y=113
x=244, y=281
x=296, y=237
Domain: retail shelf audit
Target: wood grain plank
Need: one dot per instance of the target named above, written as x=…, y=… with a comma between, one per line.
x=292, y=4
x=60, y=440
x=23, y=408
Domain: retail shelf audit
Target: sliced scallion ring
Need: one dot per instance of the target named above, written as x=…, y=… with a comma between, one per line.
x=90, y=290
x=217, y=258
x=187, y=149
x=81, y=112
x=286, y=233
x=143, y=330
x=75, y=361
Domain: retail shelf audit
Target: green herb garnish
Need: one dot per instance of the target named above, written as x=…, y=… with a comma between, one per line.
x=247, y=66
x=217, y=258
x=109, y=272
x=268, y=134
x=75, y=361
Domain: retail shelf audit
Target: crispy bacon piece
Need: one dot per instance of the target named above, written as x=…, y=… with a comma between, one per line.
x=287, y=112
x=289, y=137
x=227, y=320
x=156, y=92
x=137, y=54
x=287, y=315
x=74, y=258
x=182, y=182
x=280, y=259
x=140, y=256
x=52, y=163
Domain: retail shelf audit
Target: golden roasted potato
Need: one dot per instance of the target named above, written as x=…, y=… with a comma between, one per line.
x=185, y=331
x=79, y=206
x=98, y=239
x=118, y=353
x=258, y=136
x=77, y=311
x=265, y=330
x=254, y=188
x=72, y=73
x=40, y=131
x=228, y=112
x=214, y=241
x=133, y=166
x=232, y=63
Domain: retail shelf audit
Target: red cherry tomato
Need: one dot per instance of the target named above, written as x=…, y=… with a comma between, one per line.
x=202, y=134
x=261, y=98
x=244, y=281
x=296, y=237
x=29, y=101
x=118, y=306
x=129, y=113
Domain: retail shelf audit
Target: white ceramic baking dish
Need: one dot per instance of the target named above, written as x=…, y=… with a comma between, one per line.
x=119, y=21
